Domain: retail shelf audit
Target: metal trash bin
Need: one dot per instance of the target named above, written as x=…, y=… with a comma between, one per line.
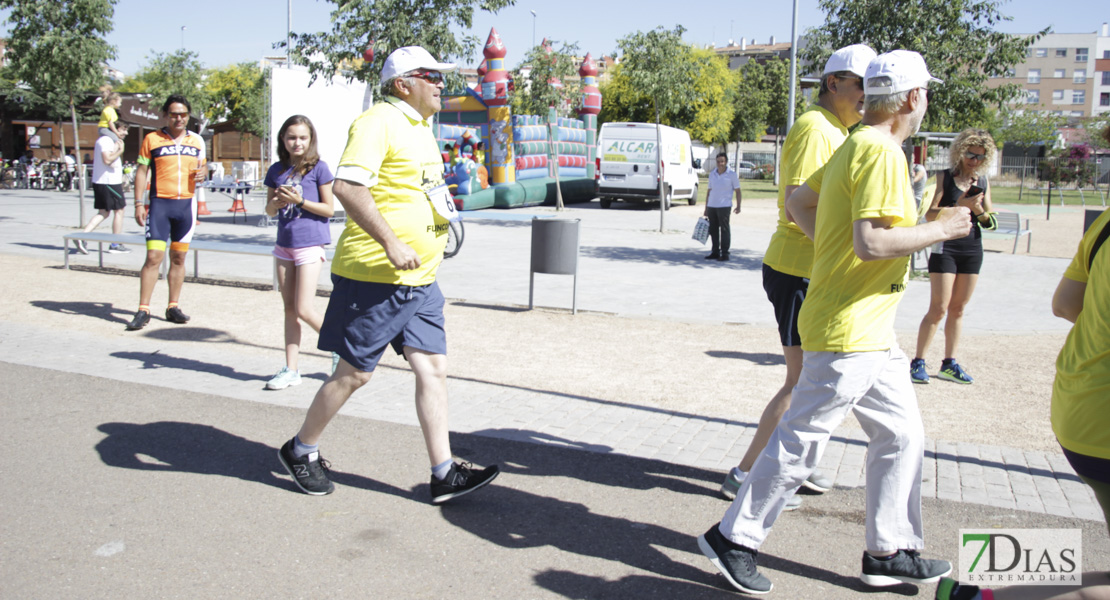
x=554, y=252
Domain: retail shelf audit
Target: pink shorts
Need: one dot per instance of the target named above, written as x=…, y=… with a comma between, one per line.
x=300, y=256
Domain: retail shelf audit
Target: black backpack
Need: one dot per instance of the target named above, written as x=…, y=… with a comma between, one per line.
x=1105, y=233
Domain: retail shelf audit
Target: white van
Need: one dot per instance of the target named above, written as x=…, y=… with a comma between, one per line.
x=627, y=169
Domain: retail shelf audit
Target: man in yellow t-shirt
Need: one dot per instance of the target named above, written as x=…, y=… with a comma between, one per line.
x=863, y=227
x=788, y=260
x=1081, y=392
x=390, y=182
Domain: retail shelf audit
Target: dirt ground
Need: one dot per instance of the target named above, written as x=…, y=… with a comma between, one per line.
x=718, y=370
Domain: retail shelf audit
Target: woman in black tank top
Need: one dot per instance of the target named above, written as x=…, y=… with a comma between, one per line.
x=954, y=265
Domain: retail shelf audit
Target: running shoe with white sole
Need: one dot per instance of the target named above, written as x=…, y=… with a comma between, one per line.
x=906, y=566
x=284, y=378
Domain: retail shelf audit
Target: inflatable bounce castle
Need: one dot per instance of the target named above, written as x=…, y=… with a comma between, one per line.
x=521, y=156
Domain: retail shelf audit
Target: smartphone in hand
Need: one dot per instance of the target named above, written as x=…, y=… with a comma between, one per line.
x=974, y=190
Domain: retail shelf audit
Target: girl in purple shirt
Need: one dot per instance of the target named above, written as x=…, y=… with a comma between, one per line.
x=299, y=195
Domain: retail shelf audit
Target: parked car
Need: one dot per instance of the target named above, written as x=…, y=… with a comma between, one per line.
x=748, y=170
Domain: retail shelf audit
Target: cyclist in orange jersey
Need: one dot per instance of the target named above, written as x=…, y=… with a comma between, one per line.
x=172, y=160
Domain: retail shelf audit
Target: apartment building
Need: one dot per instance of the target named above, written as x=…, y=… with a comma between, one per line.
x=1066, y=74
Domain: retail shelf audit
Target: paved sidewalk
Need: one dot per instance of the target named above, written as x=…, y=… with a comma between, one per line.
x=623, y=260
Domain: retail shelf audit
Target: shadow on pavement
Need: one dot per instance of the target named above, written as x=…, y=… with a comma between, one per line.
x=748, y=261
x=100, y=310
x=637, y=474
x=760, y=358
x=518, y=517
x=576, y=585
x=202, y=449
x=156, y=360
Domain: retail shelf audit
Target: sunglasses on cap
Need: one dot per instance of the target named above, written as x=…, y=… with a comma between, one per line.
x=432, y=77
x=974, y=156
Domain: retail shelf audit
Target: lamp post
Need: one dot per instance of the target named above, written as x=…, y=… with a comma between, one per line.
x=182, y=37
x=533, y=28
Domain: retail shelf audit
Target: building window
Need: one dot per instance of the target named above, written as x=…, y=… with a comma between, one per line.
x=1106, y=78
x=1061, y=52
x=1077, y=113
x=1104, y=99
x=1034, y=76
x=1042, y=52
x=1081, y=55
x=1059, y=73
x=1057, y=96
x=1078, y=97
x=1079, y=76
x=1032, y=96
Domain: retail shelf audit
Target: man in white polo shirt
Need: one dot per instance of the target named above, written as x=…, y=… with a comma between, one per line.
x=390, y=183
x=107, y=181
x=718, y=201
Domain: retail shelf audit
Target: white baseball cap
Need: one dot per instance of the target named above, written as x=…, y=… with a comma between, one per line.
x=410, y=58
x=853, y=59
x=895, y=72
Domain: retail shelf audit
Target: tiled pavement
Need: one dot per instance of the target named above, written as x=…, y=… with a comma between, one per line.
x=1009, y=478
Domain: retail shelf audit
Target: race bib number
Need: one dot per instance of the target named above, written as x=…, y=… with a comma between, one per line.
x=441, y=200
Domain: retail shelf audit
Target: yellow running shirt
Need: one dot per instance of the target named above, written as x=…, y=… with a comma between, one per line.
x=391, y=150
x=1081, y=392
x=108, y=115
x=851, y=304
x=810, y=143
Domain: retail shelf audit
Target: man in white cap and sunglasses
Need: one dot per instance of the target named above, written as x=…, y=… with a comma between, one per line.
x=859, y=210
x=390, y=182
x=787, y=262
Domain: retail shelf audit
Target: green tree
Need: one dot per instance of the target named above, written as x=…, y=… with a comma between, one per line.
x=388, y=24
x=240, y=94
x=709, y=106
x=179, y=72
x=956, y=38
x=57, y=49
x=1025, y=130
x=753, y=103
x=533, y=93
x=659, y=63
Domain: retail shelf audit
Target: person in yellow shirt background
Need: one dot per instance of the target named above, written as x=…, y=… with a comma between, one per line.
x=789, y=257
x=864, y=229
x=109, y=116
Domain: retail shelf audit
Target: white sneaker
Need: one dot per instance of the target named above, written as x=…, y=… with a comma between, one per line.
x=284, y=379
x=81, y=247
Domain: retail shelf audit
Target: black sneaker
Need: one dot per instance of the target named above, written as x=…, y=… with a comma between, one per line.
x=723, y=257
x=736, y=563
x=310, y=472
x=713, y=256
x=174, y=315
x=461, y=480
x=905, y=567
x=142, y=317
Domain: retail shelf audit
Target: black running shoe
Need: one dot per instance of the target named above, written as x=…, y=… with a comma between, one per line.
x=142, y=317
x=310, y=472
x=461, y=480
x=174, y=315
x=905, y=567
x=735, y=562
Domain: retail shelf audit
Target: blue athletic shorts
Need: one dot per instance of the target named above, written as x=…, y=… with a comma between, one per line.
x=363, y=318
x=172, y=220
x=786, y=293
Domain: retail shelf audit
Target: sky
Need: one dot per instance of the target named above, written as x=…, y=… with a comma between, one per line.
x=223, y=32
